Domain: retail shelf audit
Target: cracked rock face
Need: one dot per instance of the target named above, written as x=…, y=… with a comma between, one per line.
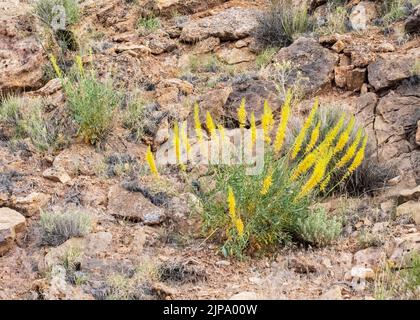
x=231, y=24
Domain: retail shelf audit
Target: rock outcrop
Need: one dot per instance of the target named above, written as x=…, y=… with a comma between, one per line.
x=12, y=224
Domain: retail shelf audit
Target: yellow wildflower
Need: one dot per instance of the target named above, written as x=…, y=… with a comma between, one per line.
x=79, y=64
x=301, y=137
x=239, y=226
x=151, y=161
x=268, y=181
x=177, y=144
x=325, y=183
x=231, y=203
x=317, y=175
x=210, y=124
x=281, y=131
x=304, y=165
x=253, y=130
x=314, y=137
x=197, y=122
x=358, y=158
x=267, y=121
x=331, y=135
x=221, y=132
x=344, y=137
x=184, y=137
x=242, y=114
x=55, y=66
x=350, y=151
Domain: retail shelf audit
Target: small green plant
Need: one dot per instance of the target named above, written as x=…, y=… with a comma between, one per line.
x=318, y=229
x=92, y=102
x=133, y=115
x=148, y=24
x=282, y=23
x=335, y=21
x=399, y=281
x=136, y=287
x=394, y=10
x=24, y=118
x=265, y=57
x=58, y=227
x=48, y=12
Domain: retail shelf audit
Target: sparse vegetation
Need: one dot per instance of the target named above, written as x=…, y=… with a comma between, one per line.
x=57, y=227
x=334, y=21
x=133, y=115
x=50, y=11
x=148, y=24
x=282, y=23
x=92, y=102
x=265, y=57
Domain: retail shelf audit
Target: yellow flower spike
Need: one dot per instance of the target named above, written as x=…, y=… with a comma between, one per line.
x=317, y=175
x=55, y=66
x=239, y=226
x=358, y=158
x=350, y=151
x=306, y=125
x=281, y=131
x=177, y=143
x=242, y=114
x=304, y=165
x=184, y=137
x=268, y=181
x=267, y=121
x=79, y=64
x=151, y=161
x=344, y=137
x=232, y=204
x=314, y=138
x=197, y=122
x=221, y=130
x=253, y=129
x=210, y=124
x=325, y=183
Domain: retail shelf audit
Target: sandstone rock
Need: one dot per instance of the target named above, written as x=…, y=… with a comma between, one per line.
x=410, y=208
x=418, y=133
x=369, y=257
x=314, y=62
x=392, y=68
x=57, y=175
x=340, y=73
x=22, y=55
x=235, y=56
x=31, y=204
x=362, y=14
x=412, y=24
x=12, y=224
x=160, y=43
x=138, y=49
x=168, y=7
x=409, y=194
x=355, y=79
x=78, y=160
x=133, y=206
x=230, y=24
x=339, y=46
x=361, y=57
x=333, y=293
x=403, y=247
x=214, y=102
x=206, y=45
x=245, y=295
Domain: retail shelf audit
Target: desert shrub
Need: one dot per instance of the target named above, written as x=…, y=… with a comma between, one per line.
x=394, y=10
x=265, y=57
x=148, y=24
x=133, y=116
x=334, y=21
x=282, y=23
x=24, y=118
x=318, y=229
x=251, y=213
x=92, y=102
x=134, y=287
x=47, y=11
x=58, y=227
x=400, y=281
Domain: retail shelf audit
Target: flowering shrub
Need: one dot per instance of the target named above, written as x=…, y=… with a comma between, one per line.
x=249, y=213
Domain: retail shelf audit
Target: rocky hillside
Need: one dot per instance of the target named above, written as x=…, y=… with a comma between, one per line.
x=82, y=216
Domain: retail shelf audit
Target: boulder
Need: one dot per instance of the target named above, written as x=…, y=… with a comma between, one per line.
x=21, y=52
x=409, y=194
x=412, y=23
x=403, y=247
x=186, y=7
x=362, y=14
x=133, y=206
x=314, y=64
x=12, y=224
x=30, y=204
x=411, y=208
x=228, y=25
x=235, y=55
x=369, y=257
x=56, y=174
x=391, y=68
